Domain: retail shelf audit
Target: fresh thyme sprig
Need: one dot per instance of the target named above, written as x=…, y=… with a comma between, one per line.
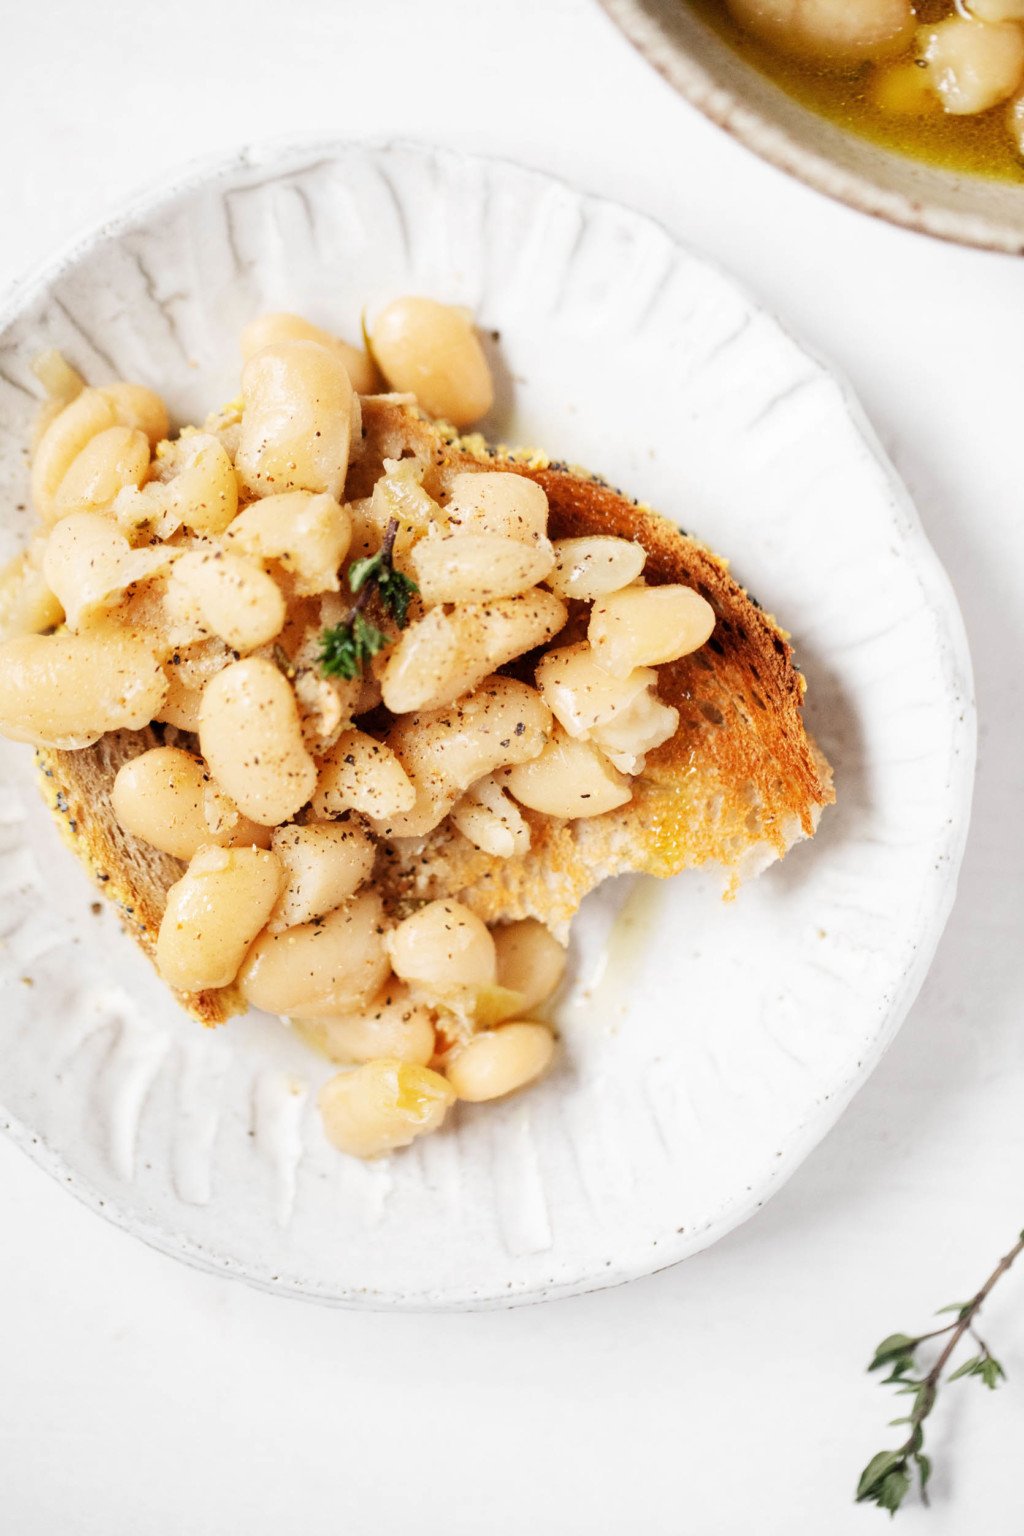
x=347, y=647
x=888, y=1476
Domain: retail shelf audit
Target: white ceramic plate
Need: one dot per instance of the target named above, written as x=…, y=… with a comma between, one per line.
x=707, y=1046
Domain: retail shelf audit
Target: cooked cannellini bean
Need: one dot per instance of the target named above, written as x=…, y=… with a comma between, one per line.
x=68, y=690
x=332, y=965
x=392, y=1025
x=433, y=350
x=490, y=818
x=309, y=535
x=61, y=382
x=973, y=65
x=88, y=563
x=267, y=330
x=531, y=961
x=581, y=694
x=138, y=407
x=570, y=779
x=382, y=1106
x=592, y=567
x=203, y=495
x=250, y=735
x=67, y=434
x=324, y=863
x=114, y=458
x=474, y=567
x=904, y=88
x=360, y=773
x=445, y=751
x=443, y=949
x=161, y=796
x=213, y=914
x=645, y=626
x=237, y=600
x=445, y=655
x=498, y=502
x=296, y=421
x=626, y=739
x=27, y=605
x=835, y=33
x=995, y=10
x=498, y=1061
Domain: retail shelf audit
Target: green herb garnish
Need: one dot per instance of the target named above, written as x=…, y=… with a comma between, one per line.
x=888, y=1476
x=346, y=648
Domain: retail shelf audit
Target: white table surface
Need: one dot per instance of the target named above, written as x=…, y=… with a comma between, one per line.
x=726, y=1396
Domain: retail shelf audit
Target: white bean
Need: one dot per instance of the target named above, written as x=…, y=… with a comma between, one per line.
x=995, y=10
x=27, y=605
x=973, y=65
x=333, y=965
x=114, y=458
x=475, y=567
x=267, y=330
x=393, y=1025
x=492, y=821
x=594, y=566
x=213, y=914
x=162, y=797
x=296, y=421
x=581, y=694
x=236, y=599
x=309, y=535
x=499, y=1061
x=833, y=32
x=203, y=495
x=88, y=563
x=443, y=949
x=362, y=774
x=382, y=1106
x=67, y=434
x=69, y=690
x=139, y=407
x=531, y=961
x=445, y=655
x=432, y=350
x=445, y=751
x=647, y=626
x=498, y=502
x=571, y=780
x=324, y=864
x=646, y=724
x=250, y=735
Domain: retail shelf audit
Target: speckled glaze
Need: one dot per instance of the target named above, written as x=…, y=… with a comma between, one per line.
x=970, y=209
x=707, y=1046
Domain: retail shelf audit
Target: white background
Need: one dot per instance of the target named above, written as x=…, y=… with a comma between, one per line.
x=725, y=1397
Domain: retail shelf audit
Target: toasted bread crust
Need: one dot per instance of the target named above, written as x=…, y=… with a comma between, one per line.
x=737, y=785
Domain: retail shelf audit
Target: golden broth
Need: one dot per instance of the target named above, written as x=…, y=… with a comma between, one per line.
x=981, y=144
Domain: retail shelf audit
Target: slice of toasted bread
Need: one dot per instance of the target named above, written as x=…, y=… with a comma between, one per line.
x=738, y=784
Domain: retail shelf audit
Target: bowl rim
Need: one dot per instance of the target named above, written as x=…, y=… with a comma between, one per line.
x=639, y=22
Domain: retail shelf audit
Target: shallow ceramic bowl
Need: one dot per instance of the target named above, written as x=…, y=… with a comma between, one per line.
x=950, y=204
x=706, y=1046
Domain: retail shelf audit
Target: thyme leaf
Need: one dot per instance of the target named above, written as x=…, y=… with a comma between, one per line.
x=346, y=648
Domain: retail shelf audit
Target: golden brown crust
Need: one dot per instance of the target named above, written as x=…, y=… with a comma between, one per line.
x=737, y=785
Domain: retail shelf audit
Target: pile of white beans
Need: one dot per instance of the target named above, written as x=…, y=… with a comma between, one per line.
x=188, y=581
x=967, y=62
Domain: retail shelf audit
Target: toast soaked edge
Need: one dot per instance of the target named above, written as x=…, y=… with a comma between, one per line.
x=738, y=784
